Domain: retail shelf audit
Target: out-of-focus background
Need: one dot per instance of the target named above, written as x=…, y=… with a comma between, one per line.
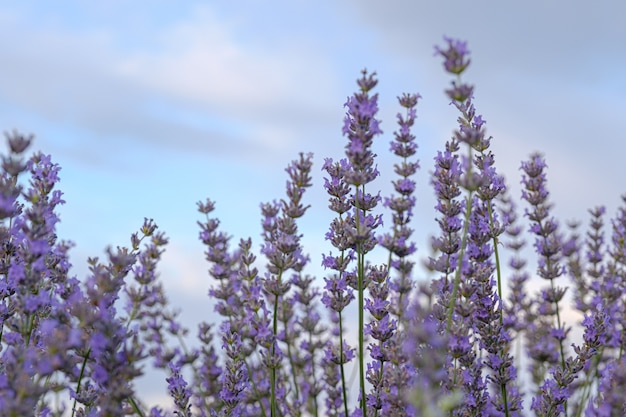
x=151, y=106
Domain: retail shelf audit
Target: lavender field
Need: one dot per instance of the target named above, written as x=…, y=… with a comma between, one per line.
x=373, y=272
x=444, y=347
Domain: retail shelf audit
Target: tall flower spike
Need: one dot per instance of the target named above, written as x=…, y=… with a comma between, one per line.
x=223, y=261
x=389, y=375
x=547, y=243
x=516, y=310
x=398, y=242
x=360, y=126
x=283, y=251
x=445, y=182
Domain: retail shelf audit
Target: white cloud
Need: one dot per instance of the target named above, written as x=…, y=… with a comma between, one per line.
x=200, y=59
x=184, y=272
x=89, y=80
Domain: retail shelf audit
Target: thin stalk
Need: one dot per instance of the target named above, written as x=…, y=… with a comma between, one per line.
x=136, y=407
x=497, y=256
x=380, y=374
x=588, y=383
x=558, y=322
x=503, y=389
x=272, y=353
x=360, y=273
x=291, y=361
x=505, y=400
x=360, y=290
x=344, y=387
x=31, y=321
x=314, y=399
x=341, y=353
x=457, y=274
x=80, y=378
x=342, y=368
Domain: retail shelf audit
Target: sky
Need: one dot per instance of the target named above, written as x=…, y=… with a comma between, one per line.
x=151, y=106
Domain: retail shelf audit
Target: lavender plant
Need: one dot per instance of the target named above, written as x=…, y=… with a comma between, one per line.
x=279, y=343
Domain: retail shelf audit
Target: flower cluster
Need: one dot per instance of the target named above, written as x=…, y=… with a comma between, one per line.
x=474, y=340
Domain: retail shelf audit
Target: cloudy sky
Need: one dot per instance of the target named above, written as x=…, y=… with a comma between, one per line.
x=150, y=106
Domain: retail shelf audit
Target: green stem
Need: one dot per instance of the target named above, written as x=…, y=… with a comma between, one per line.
x=360, y=273
x=588, y=383
x=344, y=388
x=342, y=368
x=80, y=378
x=361, y=290
x=503, y=389
x=505, y=400
x=136, y=407
x=457, y=274
x=291, y=361
x=497, y=256
x=31, y=321
x=558, y=322
x=272, y=353
x=380, y=375
x=313, y=375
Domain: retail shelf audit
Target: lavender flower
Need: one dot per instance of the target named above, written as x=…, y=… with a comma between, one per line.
x=177, y=387
x=445, y=182
x=223, y=262
x=456, y=56
x=360, y=127
x=234, y=380
x=555, y=392
x=548, y=247
x=515, y=310
x=283, y=250
x=547, y=243
x=334, y=378
x=206, y=377
x=402, y=204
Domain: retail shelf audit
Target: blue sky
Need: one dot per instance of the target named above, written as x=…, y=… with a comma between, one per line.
x=150, y=106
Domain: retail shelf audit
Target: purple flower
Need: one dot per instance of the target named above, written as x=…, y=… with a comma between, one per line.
x=398, y=242
x=235, y=378
x=455, y=55
x=445, y=181
x=361, y=126
x=178, y=390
